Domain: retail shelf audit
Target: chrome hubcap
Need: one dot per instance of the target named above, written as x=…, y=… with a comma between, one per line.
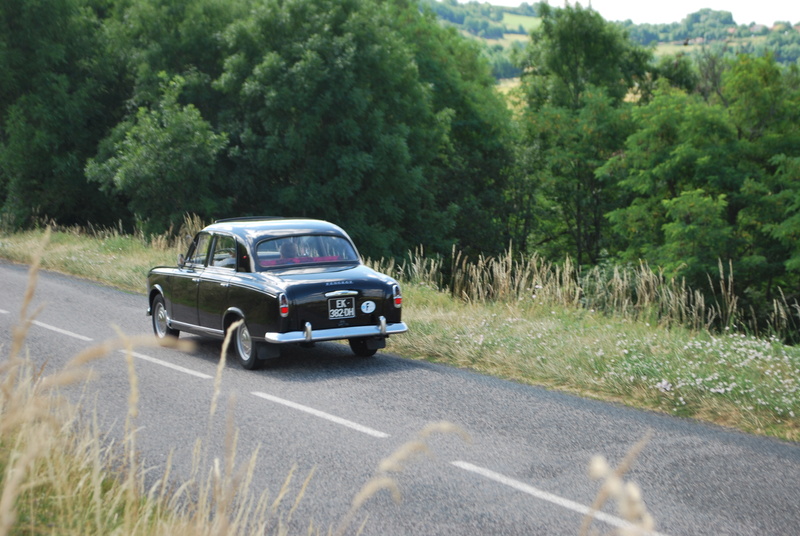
x=245, y=344
x=161, y=320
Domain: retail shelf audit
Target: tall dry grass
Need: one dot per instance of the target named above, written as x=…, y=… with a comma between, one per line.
x=639, y=293
x=627, y=334
x=106, y=254
x=636, y=292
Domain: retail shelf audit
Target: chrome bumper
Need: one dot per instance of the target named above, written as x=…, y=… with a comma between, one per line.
x=310, y=335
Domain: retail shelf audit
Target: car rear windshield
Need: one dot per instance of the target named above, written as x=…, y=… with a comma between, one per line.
x=305, y=249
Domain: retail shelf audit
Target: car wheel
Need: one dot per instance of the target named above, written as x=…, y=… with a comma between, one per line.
x=161, y=319
x=246, y=349
x=360, y=348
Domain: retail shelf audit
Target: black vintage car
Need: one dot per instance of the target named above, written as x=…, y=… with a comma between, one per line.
x=289, y=281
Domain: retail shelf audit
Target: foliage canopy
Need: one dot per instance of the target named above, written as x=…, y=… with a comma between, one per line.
x=377, y=116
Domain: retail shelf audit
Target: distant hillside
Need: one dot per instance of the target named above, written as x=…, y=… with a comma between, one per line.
x=502, y=28
x=485, y=20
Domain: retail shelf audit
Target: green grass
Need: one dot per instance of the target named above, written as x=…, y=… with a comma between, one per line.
x=108, y=260
x=733, y=380
x=612, y=333
x=513, y=21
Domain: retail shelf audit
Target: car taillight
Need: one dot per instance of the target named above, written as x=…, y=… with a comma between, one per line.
x=283, y=305
x=398, y=299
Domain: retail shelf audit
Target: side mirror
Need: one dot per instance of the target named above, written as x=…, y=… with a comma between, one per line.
x=181, y=259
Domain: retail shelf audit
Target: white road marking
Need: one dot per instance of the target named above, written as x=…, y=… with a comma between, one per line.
x=322, y=414
x=61, y=331
x=140, y=356
x=168, y=365
x=549, y=497
x=3, y=312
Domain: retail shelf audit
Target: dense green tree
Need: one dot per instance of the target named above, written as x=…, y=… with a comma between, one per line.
x=718, y=156
x=56, y=87
x=329, y=118
x=696, y=234
x=680, y=70
x=162, y=163
x=570, y=146
x=574, y=49
x=764, y=104
x=177, y=37
x=469, y=176
x=528, y=210
x=683, y=146
x=769, y=227
x=364, y=112
x=706, y=23
x=784, y=200
x=762, y=101
x=577, y=72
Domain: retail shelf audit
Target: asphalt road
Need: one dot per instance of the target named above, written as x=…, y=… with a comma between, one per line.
x=524, y=471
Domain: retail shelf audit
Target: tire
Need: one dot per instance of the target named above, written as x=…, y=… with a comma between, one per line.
x=245, y=347
x=360, y=348
x=161, y=319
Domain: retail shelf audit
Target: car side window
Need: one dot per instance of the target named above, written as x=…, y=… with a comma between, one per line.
x=224, y=252
x=198, y=253
x=244, y=258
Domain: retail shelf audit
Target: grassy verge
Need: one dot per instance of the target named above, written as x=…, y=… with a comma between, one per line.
x=533, y=324
x=106, y=256
x=733, y=380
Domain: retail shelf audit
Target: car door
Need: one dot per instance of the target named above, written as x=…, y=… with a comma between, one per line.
x=212, y=300
x=186, y=283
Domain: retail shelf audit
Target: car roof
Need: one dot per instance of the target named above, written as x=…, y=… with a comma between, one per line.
x=258, y=228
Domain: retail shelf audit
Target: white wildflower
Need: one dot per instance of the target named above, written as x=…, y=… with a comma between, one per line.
x=664, y=386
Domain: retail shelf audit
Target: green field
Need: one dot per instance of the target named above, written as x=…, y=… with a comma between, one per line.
x=665, y=49
x=513, y=21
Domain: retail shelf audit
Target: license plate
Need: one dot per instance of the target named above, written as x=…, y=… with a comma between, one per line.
x=341, y=308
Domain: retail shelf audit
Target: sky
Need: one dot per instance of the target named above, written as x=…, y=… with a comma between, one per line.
x=666, y=11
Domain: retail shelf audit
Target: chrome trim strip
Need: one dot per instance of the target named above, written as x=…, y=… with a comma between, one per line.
x=194, y=328
x=335, y=333
x=337, y=293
